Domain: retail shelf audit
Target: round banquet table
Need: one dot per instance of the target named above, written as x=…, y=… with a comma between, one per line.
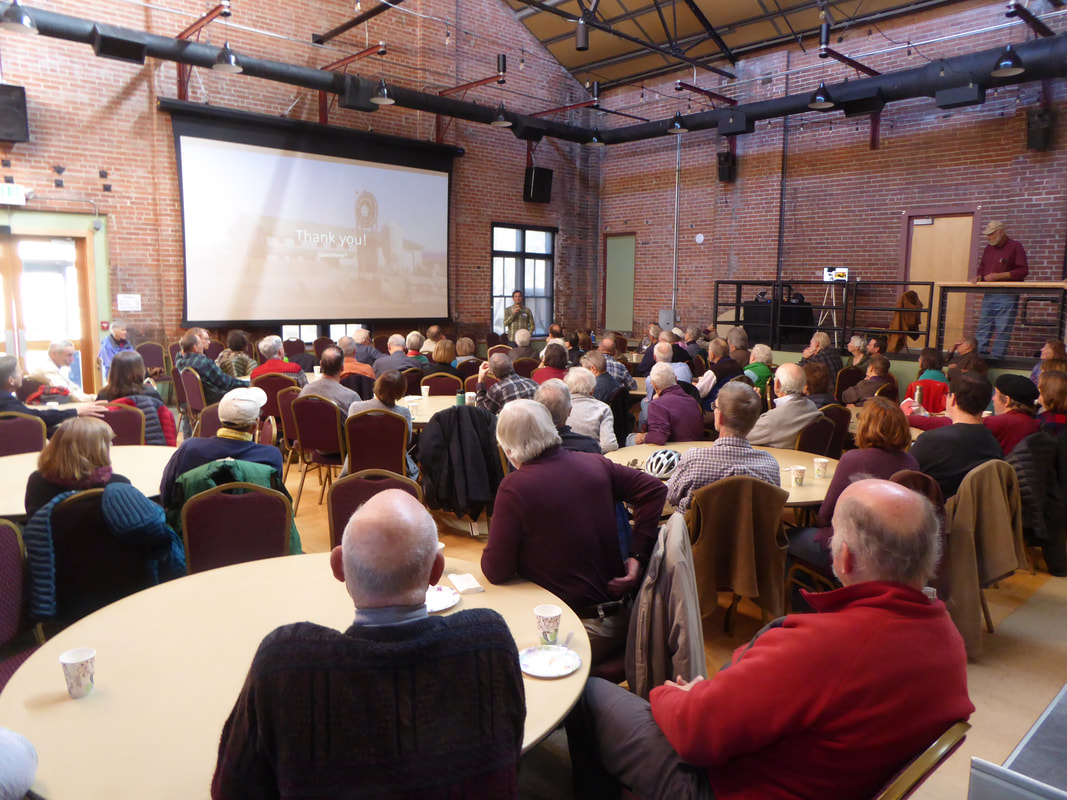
x=142, y=464
x=812, y=493
x=171, y=660
x=427, y=407
x=853, y=424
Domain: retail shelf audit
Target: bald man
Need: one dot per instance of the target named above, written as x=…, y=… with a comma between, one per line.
x=820, y=705
x=390, y=706
x=792, y=411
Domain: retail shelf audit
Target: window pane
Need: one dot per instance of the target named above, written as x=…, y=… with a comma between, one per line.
x=337, y=331
x=538, y=242
x=499, y=304
x=498, y=276
x=510, y=282
x=290, y=332
x=39, y=293
x=309, y=333
x=507, y=239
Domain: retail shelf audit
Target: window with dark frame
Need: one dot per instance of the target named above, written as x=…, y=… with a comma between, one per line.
x=524, y=259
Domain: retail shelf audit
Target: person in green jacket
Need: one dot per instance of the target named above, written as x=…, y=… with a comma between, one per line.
x=517, y=316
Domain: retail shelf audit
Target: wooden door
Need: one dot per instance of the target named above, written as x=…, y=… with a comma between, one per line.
x=939, y=250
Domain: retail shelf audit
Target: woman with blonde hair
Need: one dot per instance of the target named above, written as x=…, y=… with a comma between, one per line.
x=78, y=456
x=444, y=353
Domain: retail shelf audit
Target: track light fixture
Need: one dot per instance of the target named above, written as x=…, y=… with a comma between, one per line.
x=596, y=141
x=821, y=99
x=226, y=61
x=1008, y=65
x=501, y=120
x=677, y=126
x=581, y=36
x=16, y=19
x=381, y=95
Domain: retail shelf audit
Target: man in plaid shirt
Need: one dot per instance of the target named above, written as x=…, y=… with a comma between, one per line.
x=509, y=386
x=216, y=382
x=736, y=410
x=615, y=369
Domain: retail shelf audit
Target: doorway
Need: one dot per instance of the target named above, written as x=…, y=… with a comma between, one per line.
x=939, y=250
x=619, y=282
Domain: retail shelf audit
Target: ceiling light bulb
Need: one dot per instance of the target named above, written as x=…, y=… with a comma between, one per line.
x=381, y=95
x=226, y=61
x=501, y=120
x=821, y=100
x=677, y=126
x=596, y=141
x=16, y=19
x=1008, y=65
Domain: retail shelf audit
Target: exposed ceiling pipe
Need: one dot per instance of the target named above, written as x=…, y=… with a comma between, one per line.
x=1044, y=58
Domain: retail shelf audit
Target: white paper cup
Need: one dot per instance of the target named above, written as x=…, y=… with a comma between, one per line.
x=413, y=404
x=820, y=466
x=425, y=391
x=472, y=398
x=317, y=370
x=548, y=622
x=79, y=667
x=798, y=475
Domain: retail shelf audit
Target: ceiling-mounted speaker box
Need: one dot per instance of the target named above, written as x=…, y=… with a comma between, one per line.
x=357, y=94
x=1039, y=126
x=732, y=123
x=959, y=96
x=537, y=188
x=121, y=45
x=727, y=167
x=14, y=122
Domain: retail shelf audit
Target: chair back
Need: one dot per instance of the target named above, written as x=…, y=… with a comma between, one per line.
x=93, y=568
x=360, y=384
x=179, y=389
x=700, y=366
x=414, y=378
x=923, y=765
x=443, y=383
x=127, y=422
x=935, y=394
x=499, y=348
x=268, y=432
x=12, y=581
x=175, y=350
x=154, y=356
x=620, y=411
x=294, y=347
x=21, y=433
x=319, y=425
x=208, y=424
x=321, y=344
x=350, y=492
x=816, y=437
x=846, y=379
x=842, y=418
x=930, y=489
x=469, y=367
x=214, y=349
x=27, y=389
x=233, y=523
x=376, y=439
x=285, y=412
x=526, y=366
x=194, y=391
x=381, y=343
x=889, y=390
x=492, y=339
x=271, y=384
x=471, y=384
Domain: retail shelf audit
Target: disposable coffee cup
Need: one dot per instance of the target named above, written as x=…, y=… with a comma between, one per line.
x=548, y=622
x=413, y=404
x=471, y=398
x=79, y=666
x=317, y=370
x=798, y=475
x=425, y=391
x=820, y=467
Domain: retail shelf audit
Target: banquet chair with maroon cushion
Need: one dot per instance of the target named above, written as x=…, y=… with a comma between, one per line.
x=174, y=350
x=526, y=366
x=267, y=433
x=350, y=492
x=321, y=344
x=499, y=348
x=208, y=424
x=930, y=489
x=846, y=379
x=214, y=349
x=155, y=361
x=293, y=348
x=816, y=437
x=381, y=344
x=842, y=418
x=127, y=422
x=13, y=620
x=290, y=448
x=471, y=383
x=889, y=390
x=21, y=433
x=442, y=383
x=376, y=439
x=179, y=392
x=233, y=523
x=320, y=437
x=271, y=384
x=492, y=339
x=195, y=400
x=469, y=367
x=414, y=378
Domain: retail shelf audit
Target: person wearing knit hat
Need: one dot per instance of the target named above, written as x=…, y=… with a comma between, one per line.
x=18, y=765
x=1014, y=400
x=1002, y=260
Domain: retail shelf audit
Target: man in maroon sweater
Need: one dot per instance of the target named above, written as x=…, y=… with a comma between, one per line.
x=819, y=705
x=673, y=416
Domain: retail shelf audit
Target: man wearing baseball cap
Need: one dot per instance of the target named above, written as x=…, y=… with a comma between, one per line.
x=239, y=415
x=1002, y=260
x=1014, y=400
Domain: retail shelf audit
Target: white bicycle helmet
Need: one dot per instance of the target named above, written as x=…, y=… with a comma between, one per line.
x=662, y=463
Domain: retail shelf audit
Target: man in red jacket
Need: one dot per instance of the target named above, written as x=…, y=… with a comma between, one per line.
x=819, y=705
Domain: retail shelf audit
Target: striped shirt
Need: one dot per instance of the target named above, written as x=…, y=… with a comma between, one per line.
x=619, y=372
x=729, y=456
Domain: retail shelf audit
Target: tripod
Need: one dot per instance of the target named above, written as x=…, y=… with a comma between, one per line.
x=829, y=313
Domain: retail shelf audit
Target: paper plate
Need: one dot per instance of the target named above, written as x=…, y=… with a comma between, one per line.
x=549, y=661
x=440, y=598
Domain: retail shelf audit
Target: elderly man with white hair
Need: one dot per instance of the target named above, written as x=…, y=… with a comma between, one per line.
x=351, y=365
x=414, y=342
x=554, y=395
x=554, y=524
x=275, y=361
x=758, y=368
x=820, y=352
x=390, y=705
x=365, y=350
x=792, y=411
x=614, y=368
x=60, y=357
x=588, y=415
x=397, y=359
x=522, y=347
x=509, y=386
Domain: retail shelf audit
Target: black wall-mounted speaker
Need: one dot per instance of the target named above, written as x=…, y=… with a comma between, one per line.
x=727, y=167
x=537, y=188
x=1039, y=125
x=14, y=123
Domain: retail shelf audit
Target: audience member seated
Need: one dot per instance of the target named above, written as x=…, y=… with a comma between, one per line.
x=555, y=363
x=554, y=524
x=1051, y=349
x=464, y=350
x=509, y=386
x=275, y=361
x=608, y=349
x=115, y=342
x=588, y=415
x=127, y=384
x=78, y=456
x=792, y=412
x=736, y=410
x=876, y=346
x=60, y=356
x=365, y=352
x=215, y=382
x=389, y=388
x=1053, y=388
x=522, y=347
x=673, y=416
x=966, y=346
x=441, y=358
x=737, y=338
x=239, y=417
x=818, y=389
x=390, y=707
x=234, y=360
x=1014, y=410
x=434, y=336
x=555, y=335
x=414, y=342
x=677, y=354
x=820, y=352
x=556, y=397
x=857, y=348
x=720, y=362
x=877, y=377
x=650, y=338
x=773, y=722
x=11, y=380
x=18, y=765
x=882, y=438
x=948, y=453
x=758, y=368
x=931, y=365
x=397, y=359
x=574, y=349
x=606, y=385
x=351, y=364
x=329, y=383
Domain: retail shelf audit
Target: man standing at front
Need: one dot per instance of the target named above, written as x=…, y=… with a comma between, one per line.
x=1002, y=260
x=824, y=705
x=517, y=316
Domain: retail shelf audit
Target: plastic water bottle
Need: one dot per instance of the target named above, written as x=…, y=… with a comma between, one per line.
x=919, y=395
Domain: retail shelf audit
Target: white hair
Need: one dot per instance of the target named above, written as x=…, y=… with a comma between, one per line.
x=857, y=341
x=270, y=346
x=361, y=336
x=60, y=344
x=522, y=337
x=821, y=338
x=347, y=345
x=737, y=338
x=662, y=376
x=396, y=340
x=415, y=340
x=580, y=380
x=790, y=378
x=524, y=429
x=554, y=395
x=761, y=353
x=663, y=351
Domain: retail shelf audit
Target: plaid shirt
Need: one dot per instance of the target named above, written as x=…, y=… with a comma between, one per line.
x=619, y=372
x=729, y=456
x=513, y=387
x=216, y=382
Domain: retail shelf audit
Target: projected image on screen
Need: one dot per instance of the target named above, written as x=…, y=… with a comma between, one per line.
x=274, y=235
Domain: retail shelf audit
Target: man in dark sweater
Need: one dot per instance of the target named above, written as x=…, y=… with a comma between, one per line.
x=947, y=454
x=400, y=705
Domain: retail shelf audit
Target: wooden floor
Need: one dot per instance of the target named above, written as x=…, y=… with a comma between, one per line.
x=1023, y=666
